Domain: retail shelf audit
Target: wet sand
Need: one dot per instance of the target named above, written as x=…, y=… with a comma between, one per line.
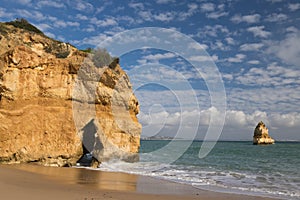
x=37, y=182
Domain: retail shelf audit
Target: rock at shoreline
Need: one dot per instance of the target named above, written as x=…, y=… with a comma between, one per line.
x=37, y=80
x=261, y=135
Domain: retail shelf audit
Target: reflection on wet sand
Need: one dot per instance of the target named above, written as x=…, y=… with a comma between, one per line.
x=107, y=180
x=85, y=177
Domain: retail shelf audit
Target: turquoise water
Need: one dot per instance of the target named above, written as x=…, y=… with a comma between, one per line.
x=237, y=167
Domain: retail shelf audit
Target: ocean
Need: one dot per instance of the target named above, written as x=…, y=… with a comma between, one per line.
x=233, y=167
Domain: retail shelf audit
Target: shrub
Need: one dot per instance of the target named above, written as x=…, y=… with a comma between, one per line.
x=3, y=29
x=24, y=24
x=63, y=54
x=101, y=57
x=59, y=49
x=87, y=50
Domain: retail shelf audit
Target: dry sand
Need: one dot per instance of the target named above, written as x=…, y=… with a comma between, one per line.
x=32, y=182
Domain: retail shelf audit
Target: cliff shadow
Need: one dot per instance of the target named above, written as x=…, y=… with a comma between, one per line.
x=90, y=143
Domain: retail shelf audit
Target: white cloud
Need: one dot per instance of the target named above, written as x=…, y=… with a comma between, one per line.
x=254, y=62
x=149, y=16
x=250, y=19
x=51, y=35
x=164, y=17
x=60, y=23
x=51, y=18
x=146, y=15
x=2, y=12
x=197, y=46
x=292, y=29
x=288, y=49
x=142, y=35
x=92, y=41
x=221, y=6
x=204, y=58
x=172, y=99
x=294, y=7
x=126, y=19
x=271, y=76
x=245, y=107
x=64, y=24
x=5, y=13
x=285, y=120
x=237, y=59
x=36, y=15
x=136, y=6
x=154, y=118
x=251, y=47
x=61, y=38
x=216, y=15
x=275, y=17
x=212, y=31
x=192, y=9
x=104, y=22
x=258, y=31
x=163, y=75
x=76, y=24
x=43, y=27
x=81, y=17
x=50, y=4
x=234, y=119
x=275, y=1
x=100, y=9
x=164, y=1
x=265, y=96
x=23, y=2
x=83, y=6
x=157, y=57
x=219, y=45
x=237, y=119
x=107, y=22
x=114, y=30
x=284, y=72
x=185, y=118
x=211, y=11
x=228, y=77
x=207, y=7
x=89, y=28
x=230, y=40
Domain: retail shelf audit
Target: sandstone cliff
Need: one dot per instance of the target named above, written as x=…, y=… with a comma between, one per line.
x=46, y=91
x=261, y=134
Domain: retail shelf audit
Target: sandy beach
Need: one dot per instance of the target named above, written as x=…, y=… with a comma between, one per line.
x=37, y=182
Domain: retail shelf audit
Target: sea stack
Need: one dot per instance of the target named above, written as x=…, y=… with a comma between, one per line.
x=39, y=120
x=261, y=135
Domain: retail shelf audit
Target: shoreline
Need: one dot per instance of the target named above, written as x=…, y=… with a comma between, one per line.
x=28, y=181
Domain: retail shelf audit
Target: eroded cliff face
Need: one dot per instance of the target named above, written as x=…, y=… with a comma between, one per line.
x=52, y=98
x=261, y=135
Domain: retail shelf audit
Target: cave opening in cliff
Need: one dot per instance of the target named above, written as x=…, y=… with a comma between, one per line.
x=90, y=143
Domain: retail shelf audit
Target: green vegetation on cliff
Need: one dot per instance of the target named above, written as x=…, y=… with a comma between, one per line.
x=24, y=24
x=100, y=56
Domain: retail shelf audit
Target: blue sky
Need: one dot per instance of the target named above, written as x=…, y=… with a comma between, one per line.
x=254, y=45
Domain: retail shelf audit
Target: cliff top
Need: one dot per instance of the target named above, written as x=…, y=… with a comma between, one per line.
x=21, y=33
x=261, y=123
x=22, y=24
